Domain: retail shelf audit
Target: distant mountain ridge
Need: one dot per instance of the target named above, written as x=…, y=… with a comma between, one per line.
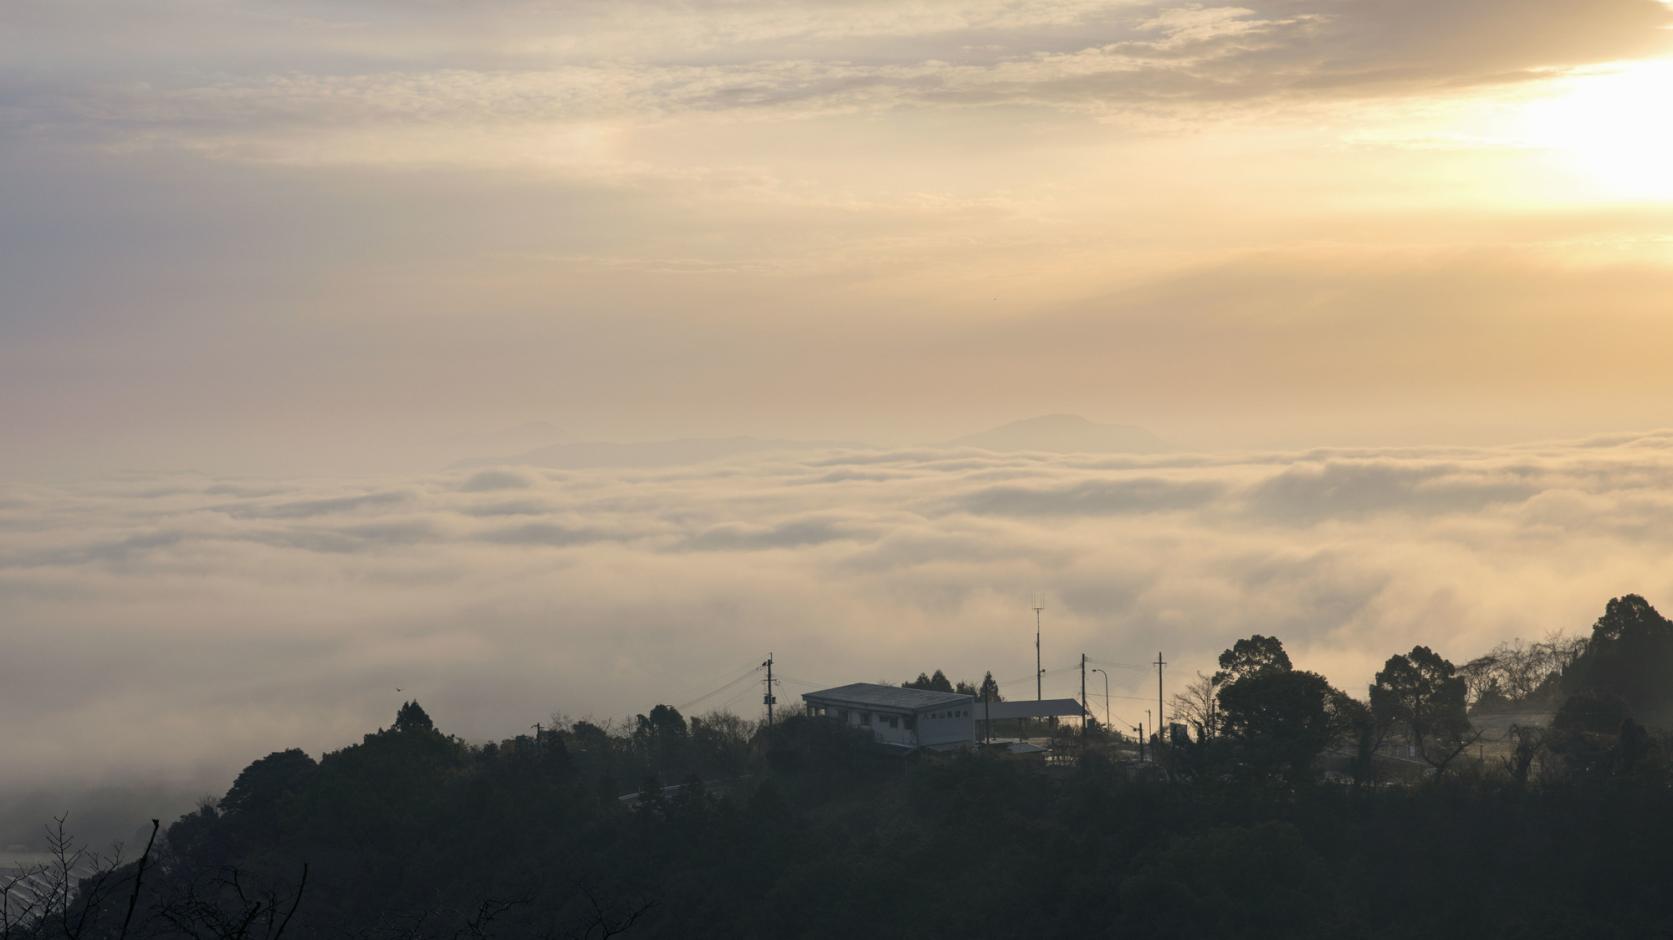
x=1061, y=433
x=584, y=455
x=1064, y=433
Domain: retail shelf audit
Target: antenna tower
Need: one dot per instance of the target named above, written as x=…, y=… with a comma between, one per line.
x=1039, y=672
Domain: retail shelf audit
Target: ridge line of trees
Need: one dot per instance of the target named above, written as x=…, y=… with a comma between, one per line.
x=669, y=825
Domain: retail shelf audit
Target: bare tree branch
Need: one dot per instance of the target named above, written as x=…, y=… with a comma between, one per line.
x=139, y=876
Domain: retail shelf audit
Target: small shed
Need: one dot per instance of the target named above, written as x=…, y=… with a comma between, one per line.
x=989, y=714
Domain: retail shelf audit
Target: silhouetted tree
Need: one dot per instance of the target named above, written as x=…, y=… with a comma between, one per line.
x=1247, y=657
x=1279, y=718
x=1530, y=743
x=1584, y=734
x=413, y=717
x=1630, y=656
x=1196, y=706
x=1421, y=693
x=1354, y=727
x=1517, y=673
x=720, y=741
x=935, y=683
x=661, y=737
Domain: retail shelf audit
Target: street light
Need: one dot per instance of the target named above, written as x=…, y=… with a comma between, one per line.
x=1106, y=696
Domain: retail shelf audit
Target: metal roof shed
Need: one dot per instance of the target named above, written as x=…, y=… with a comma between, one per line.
x=1032, y=708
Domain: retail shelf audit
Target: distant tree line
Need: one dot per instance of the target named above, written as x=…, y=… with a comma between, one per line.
x=1293, y=810
x=938, y=682
x=1518, y=674
x=1260, y=716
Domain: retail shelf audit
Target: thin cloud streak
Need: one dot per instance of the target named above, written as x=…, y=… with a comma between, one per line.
x=649, y=63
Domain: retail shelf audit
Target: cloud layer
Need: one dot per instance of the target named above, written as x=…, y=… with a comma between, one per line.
x=174, y=627
x=571, y=87
x=373, y=82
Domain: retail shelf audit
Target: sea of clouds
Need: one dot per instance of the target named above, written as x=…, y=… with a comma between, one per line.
x=173, y=627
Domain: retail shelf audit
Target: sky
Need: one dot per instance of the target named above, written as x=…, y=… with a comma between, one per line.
x=327, y=236
x=271, y=269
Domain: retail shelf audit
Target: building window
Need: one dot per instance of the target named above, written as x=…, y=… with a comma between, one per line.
x=865, y=718
x=911, y=722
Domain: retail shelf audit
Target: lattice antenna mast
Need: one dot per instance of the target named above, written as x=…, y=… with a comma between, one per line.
x=1039, y=671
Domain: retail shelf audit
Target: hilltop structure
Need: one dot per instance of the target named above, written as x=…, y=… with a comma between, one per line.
x=906, y=718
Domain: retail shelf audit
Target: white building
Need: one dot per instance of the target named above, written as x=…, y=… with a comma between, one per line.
x=902, y=717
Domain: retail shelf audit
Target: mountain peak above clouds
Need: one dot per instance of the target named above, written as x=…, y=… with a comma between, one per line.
x=648, y=454
x=1063, y=433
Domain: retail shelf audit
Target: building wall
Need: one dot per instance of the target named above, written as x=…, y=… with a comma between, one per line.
x=954, y=724
x=896, y=733
x=875, y=720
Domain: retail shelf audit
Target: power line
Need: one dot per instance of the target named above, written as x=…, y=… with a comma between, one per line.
x=1109, y=665
x=735, y=699
x=794, y=681
x=752, y=671
x=727, y=687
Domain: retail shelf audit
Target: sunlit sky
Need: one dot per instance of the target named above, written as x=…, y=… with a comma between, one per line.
x=324, y=235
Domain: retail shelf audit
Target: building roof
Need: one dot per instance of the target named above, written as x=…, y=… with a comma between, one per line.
x=889, y=696
x=1027, y=708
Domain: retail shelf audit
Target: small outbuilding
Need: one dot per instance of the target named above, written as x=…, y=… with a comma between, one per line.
x=910, y=718
x=1021, y=715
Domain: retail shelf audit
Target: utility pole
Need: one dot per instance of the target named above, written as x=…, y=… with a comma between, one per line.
x=537, y=730
x=1039, y=671
x=1106, y=698
x=769, y=699
x=1084, y=711
x=987, y=720
x=1139, y=730
x=1159, y=718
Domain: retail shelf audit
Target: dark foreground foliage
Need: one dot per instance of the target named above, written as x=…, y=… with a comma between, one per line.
x=413, y=835
x=808, y=829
